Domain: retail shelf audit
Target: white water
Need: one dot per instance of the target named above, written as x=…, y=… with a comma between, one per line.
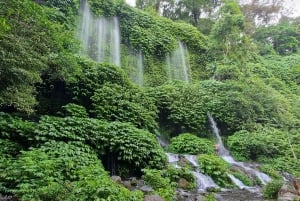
x=237, y=182
x=224, y=153
x=100, y=36
x=178, y=64
x=204, y=181
x=192, y=159
x=172, y=158
x=85, y=30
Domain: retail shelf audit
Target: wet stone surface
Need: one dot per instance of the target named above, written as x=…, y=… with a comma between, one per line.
x=239, y=195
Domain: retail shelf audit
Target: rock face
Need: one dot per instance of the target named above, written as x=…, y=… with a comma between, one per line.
x=296, y=184
x=290, y=191
x=153, y=198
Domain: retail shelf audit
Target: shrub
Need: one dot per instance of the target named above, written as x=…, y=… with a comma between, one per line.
x=215, y=167
x=270, y=191
x=136, y=147
x=16, y=129
x=190, y=144
x=72, y=109
x=61, y=171
x=161, y=185
x=243, y=178
x=265, y=142
x=113, y=102
x=132, y=146
x=174, y=174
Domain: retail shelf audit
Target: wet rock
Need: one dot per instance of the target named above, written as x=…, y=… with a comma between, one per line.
x=239, y=195
x=146, y=189
x=153, y=198
x=133, y=181
x=116, y=179
x=127, y=184
x=7, y=198
x=183, y=183
x=183, y=195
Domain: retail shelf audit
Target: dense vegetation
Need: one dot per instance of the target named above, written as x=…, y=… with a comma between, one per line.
x=68, y=122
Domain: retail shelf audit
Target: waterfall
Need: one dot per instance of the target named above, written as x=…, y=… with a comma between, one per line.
x=86, y=25
x=177, y=63
x=224, y=153
x=115, y=42
x=237, y=182
x=100, y=36
x=203, y=181
x=140, y=69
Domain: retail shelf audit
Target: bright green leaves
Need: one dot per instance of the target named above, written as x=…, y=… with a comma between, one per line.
x=61, y=171
x=136, y=147
x=116, y=103
x=215, y=167
x=282, y=37
x=190, y=144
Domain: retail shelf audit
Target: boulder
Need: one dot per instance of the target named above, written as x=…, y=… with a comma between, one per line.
x=133, y=181
x=153, y=198
x=116, y=179
x=296, y=184
x=146, y=189
x=127, y=184
x=183, y=183
x=289, y=191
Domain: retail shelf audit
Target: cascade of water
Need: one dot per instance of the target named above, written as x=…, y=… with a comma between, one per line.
x=172, y=158
x=204, y=182
x=100, y=24
x=100, y=37
x=192, y=159
x=224, y=153
x=140, y=69
x=237, y=182
x=177, y=63
x=183, y=54
x=86, y=25
x=168, y=62
x=221, y=148
x=115, y=42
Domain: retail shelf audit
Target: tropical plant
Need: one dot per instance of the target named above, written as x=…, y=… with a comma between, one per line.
x=216, y=168
x=187, y=143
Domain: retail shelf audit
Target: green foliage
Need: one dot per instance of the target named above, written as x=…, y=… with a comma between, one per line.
x=16, y=129
x=174, y=174
x=187, y=143
x=183, y=108
x=243, y=178
x=9, y=148
x=113, y=102
x=210, y=197
x=282, y=37
x=135, y=147
x=271, y=189
x=72, y=109
x=61, y=171
x=28, y=47
x=216, y=168
x=160, y=185
x=265, y=142
x=94, y=76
